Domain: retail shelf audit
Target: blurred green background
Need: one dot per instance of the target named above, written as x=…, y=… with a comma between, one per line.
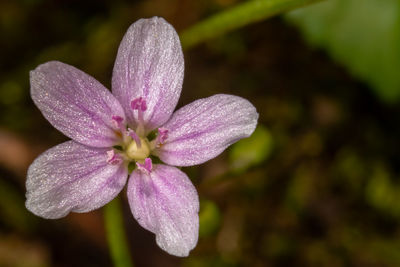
x=316, y=185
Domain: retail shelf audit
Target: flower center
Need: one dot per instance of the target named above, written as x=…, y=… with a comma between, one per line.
x=133, y=145
x=138, y=152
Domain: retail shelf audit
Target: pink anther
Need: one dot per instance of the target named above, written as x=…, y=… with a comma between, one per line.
x=162, y=136
x=146, y=167
x=139, y=104
x=113, y=158
x=117, y=122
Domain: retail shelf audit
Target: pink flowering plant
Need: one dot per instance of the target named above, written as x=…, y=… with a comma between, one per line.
x=131, y=125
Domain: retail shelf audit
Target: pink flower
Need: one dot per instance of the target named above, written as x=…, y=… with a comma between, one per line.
x=111, y=130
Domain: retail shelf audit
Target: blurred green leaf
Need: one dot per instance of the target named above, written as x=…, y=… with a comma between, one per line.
x=251, y=151
x=210, y=218
x=364, y=35
x=236, y=17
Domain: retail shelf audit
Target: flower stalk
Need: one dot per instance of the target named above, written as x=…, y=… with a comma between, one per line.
x=116, y=236
x=236, y=17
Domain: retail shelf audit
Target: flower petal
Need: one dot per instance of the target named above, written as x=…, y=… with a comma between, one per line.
x=166, y=203
x=203, y=129
x=72, y=177
x=149, y=65
x=76, y=104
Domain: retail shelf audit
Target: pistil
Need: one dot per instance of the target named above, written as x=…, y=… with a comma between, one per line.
x=138, y=153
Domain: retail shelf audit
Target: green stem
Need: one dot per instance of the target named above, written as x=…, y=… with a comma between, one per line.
x=116, y=236
x=236, y=17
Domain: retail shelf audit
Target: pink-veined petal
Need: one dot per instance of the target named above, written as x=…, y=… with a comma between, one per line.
x=76, y=104
x=165, y=202
x=203, y=129
x=149, y=67
x=72, y=177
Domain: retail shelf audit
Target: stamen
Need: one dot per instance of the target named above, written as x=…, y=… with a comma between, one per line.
x=161, y=137
x=117, y=122
x=135, y=137
x=146, y=167
x=140, y=105
x=113, y=158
